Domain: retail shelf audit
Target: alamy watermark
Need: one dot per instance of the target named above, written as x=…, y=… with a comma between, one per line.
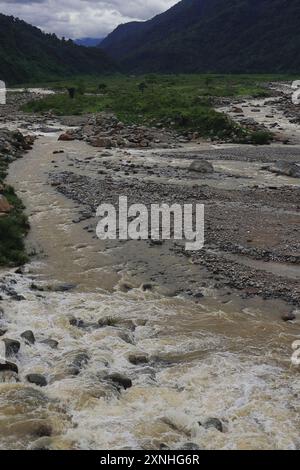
x=2, y=92
x=156, y=222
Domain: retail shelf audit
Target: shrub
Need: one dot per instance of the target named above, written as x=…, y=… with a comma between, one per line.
x=261, y=138
x=13, y=228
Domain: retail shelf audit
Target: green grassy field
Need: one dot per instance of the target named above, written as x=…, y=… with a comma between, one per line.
x=184, y=102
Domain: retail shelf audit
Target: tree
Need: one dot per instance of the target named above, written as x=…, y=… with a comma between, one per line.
x=142, y=87
x=81, y=88
x=102, y=87
x=71, y=92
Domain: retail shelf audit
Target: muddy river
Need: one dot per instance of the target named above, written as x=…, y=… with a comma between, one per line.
x=224, y=356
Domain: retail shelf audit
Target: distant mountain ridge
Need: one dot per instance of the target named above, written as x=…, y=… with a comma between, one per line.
x=226, y=36
x=27, y=54
x=88, y=42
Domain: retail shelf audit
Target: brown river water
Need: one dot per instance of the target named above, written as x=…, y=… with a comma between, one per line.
x=224, y=357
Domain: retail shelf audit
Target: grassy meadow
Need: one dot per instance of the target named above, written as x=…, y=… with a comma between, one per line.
x=183, y=102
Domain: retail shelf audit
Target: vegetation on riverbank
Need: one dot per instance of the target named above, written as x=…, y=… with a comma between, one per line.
x=13, y=225
x=183, y=102
x=13, y=228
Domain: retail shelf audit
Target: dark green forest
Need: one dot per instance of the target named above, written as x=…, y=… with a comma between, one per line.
x=194, y=36
x=217, y=36
x=28, y=54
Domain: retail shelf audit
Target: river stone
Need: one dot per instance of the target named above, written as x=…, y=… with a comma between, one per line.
x=147, y=286
x=76, y=321
x=237, y=110
x=17, y=297
x=285, y=168
x=163, y=446
x=107, y=321
x=52, y=343
x=43, y=443
x=289, y=316
x=189, y=446
x=66, y=137
x=80, y=359
x=126, y=287
x=9, y=366
x=37, y=379
x=201, y=166
x=70, y=364
x=213, y=423
x=64, y=287
x=127, y=337
x=120, y=380
x=199, y=295
x=28, y=336
x=137, y=359
x=36, y=287
x=12, y=346
x=2, y=332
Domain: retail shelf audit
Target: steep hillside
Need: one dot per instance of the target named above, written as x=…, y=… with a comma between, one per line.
x=212, y=36
x=28, y=54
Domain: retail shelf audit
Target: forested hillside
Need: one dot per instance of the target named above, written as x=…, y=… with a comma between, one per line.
x=28, y=54
x=212, y=36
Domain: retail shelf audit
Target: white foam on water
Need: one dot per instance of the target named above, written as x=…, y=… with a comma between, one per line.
x=255, y=399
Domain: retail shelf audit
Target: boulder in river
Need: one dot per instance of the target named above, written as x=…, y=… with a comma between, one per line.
x=201, y=166
x=102, y=142
x=290, y=316
x=120, y=380
x=12, y=347
x=66, y=287
x=37, y=379
x=43, y=443
x=237, y=110
x=189, y=446
x=66, y=137
x=28, y=336
x=282, y=167
x=213, y=423
x=138, y=359
x=76, y=321
x=8, y=366
x=52, y=343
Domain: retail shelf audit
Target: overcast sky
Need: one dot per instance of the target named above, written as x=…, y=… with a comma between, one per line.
x=82, y=18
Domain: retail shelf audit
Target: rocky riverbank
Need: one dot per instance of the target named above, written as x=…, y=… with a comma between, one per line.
x=104, y=130
x=264, y=235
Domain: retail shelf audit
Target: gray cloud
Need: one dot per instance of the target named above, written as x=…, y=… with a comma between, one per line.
x=79, y=18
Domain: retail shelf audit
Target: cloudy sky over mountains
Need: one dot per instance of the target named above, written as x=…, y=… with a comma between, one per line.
x=81, y=18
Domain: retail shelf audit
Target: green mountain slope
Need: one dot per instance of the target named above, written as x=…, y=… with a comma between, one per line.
x=28, y=54
x=212, y=36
